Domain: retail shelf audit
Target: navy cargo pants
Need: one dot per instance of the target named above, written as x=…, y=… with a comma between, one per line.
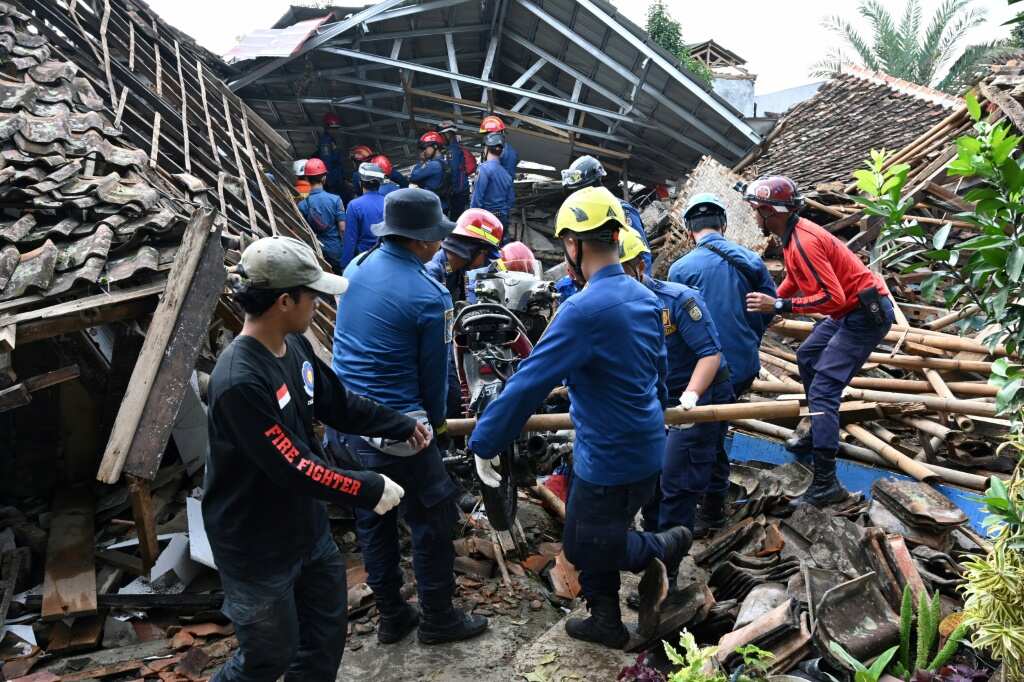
x=429, y=508
x=598, y=538
x=695, y=464
x=293, y=623
x=829, y=358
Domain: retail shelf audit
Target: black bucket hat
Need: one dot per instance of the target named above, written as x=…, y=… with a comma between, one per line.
x=414, y=213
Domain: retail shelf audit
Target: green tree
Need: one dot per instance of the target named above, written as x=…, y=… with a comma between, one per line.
x=668, y=33
x=910, y=50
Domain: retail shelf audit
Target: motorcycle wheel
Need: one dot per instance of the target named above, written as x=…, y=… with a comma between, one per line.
x=502, y=502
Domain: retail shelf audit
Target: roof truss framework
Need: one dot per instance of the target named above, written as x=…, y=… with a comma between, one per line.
x=571, y=72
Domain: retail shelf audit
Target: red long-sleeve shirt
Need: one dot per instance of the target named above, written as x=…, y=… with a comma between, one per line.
x=824, y=270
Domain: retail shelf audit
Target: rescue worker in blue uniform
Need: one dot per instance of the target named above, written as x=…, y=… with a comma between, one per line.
x=391, y=342
x=587, y=171
x=359, y=154
x=329, y=152
x=363, y=213
x=432, y=172
x=695, y=460
x=459, y=198
x=510, y=157
x=608, y=345
x=725, y=273
x=471, y=245
x=397, y=180
x=494, y=190
x=565, y=287
x=325, y=214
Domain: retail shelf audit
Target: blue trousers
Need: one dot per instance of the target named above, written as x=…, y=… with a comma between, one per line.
x=428, y=507
x=695, y=463
x=829, y=358
x=292, y=624
x=332, y=253
x=598, y=539
x=457, y=203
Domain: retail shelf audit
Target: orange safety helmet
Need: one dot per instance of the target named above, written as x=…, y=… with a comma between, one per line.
x=315, y=167
x=479, y=224
x=332, y=120
x=492, y=124
x=517, y=256
x=383, y=162
x=361, y=152
x=431, y=137
x=303, y=187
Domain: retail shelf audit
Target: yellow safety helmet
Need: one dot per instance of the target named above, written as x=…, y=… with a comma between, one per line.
x=589, y=210
x=630, y=245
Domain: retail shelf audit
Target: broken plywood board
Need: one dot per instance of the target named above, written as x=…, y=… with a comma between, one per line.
x=69, y=588
x=709, y=176
x=198, y=542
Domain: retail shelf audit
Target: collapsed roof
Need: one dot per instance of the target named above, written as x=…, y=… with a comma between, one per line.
x=827, y=137
x=570, y=77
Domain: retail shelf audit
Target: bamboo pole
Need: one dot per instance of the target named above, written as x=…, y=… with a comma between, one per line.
x=970, y=407
x=968, y=388
x=916, y=362
x=784, y=365
x=940, y=323
x=860, y=454
x=891, y=454
x=942, y=390
x=929, y=427
x=676, y=415
x=925, y=337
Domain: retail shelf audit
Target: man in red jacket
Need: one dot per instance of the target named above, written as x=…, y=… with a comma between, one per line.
x=822, y=276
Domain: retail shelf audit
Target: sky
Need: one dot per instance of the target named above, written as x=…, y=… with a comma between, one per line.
x=780, y=41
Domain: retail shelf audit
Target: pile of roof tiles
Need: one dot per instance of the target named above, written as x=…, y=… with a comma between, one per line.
x=80, y=207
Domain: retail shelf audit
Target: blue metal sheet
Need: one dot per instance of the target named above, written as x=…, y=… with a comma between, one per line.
x=855, y=476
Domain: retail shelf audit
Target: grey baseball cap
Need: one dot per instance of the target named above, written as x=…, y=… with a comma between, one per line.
x=284, y=263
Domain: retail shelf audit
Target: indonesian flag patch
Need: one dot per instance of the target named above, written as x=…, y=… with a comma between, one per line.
x=283, y=396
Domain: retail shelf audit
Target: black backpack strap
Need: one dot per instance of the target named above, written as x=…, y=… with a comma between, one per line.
x=738, y=264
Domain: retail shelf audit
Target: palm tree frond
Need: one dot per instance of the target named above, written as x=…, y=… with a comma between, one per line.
x=973, y=64
x=887, y=40
x=930, y=54
x=831, y=65
x=910, y=26
x=849, y=33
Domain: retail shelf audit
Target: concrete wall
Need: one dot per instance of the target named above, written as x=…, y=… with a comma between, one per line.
x=738, y=92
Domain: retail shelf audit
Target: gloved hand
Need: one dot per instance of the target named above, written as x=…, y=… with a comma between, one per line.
x=390, y=498
x=689, y=400
x=489, y=476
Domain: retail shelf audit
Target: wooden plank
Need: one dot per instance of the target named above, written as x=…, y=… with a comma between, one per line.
x=8, y=339
x=145, y=520
x=10, y=567
x=14, y=396
x=184, y=110
x=238, y=163
x=259, y=174
x=57, y=376
x=157, y=337
x=85, y=304
x=69, y=587
x=74, y=322
x=177, y=362
x=82, y=635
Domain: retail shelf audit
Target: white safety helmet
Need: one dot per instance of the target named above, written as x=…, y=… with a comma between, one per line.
x=299, y=167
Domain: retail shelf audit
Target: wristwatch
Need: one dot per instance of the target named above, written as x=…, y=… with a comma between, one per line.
x=782, y=305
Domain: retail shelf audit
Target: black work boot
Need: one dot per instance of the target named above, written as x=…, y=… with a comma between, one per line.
x=453, y=626
x=395, y=624
x=802, y=448
x=825, y=488
x=711, y=516
x=604, y=626
x=676, y=542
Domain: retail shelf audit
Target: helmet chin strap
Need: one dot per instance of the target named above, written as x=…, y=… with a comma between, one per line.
x=575, y=266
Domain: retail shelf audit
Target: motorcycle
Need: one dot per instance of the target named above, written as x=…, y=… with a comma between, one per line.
x=492, y=337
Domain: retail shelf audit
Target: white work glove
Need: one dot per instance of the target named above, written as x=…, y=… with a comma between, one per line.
x=390, y=498
x=689, y=399
x=486, y=471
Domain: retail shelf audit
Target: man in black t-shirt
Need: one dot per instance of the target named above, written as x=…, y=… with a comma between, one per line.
x=267, y=477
